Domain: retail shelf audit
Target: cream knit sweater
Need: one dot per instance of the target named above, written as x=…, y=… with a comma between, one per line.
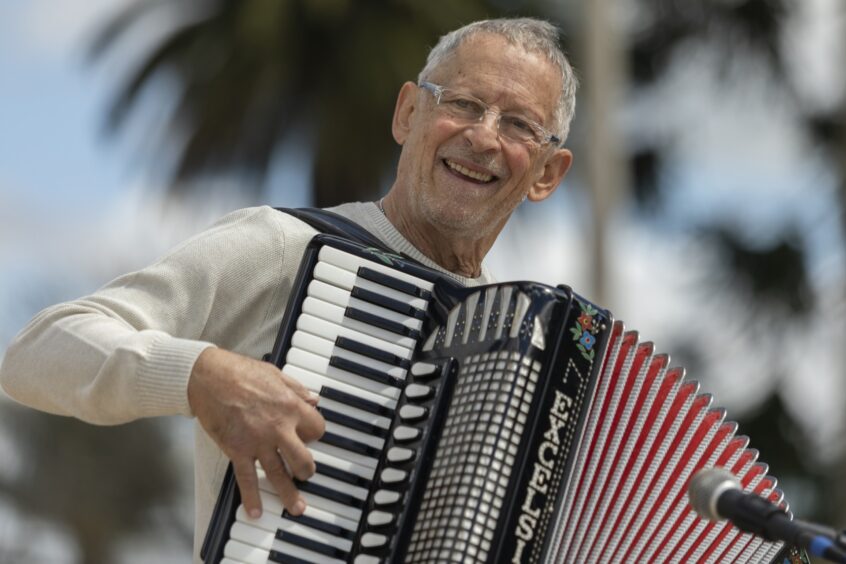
x=127, y=350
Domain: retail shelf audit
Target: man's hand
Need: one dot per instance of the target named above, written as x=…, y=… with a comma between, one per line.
x=254, y=412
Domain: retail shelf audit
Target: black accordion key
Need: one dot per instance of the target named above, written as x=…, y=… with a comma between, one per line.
x=334, y=530
x=393, y=283
x=387, y=303
x=342, y=475
x=309, y=544
x=350, y=445
x=364, y=371
x=374, y=320
x=329, y=493
x=372, y=352
x=354, y=401
x=276, y=556
x=352, y=422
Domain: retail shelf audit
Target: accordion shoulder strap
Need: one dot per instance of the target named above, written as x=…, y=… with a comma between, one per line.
x=334, y=224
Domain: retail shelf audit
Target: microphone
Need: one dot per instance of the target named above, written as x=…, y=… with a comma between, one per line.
x=715, y=494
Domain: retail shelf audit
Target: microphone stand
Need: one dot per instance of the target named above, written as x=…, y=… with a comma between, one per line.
x=757, y=515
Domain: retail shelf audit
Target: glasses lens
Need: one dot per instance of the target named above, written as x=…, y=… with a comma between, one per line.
x=463, y=107
x=519, y=129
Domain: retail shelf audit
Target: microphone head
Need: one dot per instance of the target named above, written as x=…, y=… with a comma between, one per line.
x=705, y=488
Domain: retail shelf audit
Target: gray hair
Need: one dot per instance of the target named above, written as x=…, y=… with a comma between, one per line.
x=533, y=35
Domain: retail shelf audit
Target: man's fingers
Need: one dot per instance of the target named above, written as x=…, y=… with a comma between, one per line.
x=304, y=393
x=311, y=426
x=281, y=481
x=295, y=453
x=245, y=475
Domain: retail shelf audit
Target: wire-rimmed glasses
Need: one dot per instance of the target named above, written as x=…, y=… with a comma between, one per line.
x=514, y=127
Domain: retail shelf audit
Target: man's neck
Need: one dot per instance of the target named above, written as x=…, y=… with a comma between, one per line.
x=461, y=254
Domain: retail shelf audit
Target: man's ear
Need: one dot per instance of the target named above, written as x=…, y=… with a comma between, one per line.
x=406, y=102
x=551, y=175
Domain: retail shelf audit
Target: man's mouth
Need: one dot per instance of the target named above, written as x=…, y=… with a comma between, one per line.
x=472, y=175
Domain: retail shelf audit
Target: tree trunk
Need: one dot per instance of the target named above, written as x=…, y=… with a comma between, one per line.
x=604, y=81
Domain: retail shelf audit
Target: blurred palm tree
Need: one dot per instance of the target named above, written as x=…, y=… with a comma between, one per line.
x=103, y=485
x=251, y=75
x=773, y=278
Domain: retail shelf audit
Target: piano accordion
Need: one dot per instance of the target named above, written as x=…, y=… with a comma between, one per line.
x=508, y=423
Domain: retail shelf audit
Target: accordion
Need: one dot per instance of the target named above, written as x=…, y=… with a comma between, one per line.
x=507, y=423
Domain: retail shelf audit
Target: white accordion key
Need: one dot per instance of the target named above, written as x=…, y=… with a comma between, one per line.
x=319, y=365
x=245, y=553
x=262, y=532
x=315, y=382
x=334, y=275
x=331, y=331
x=254, y=536
x=342, y=298
x=336, y=315
x=352, y=263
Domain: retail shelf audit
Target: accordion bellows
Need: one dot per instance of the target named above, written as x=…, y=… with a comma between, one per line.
x=648, y=432
x=520, y=423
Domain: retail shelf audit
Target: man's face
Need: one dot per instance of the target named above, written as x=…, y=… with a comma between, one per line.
x=464, y=179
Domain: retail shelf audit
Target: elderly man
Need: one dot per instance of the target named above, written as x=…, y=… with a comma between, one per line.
x=481, y=131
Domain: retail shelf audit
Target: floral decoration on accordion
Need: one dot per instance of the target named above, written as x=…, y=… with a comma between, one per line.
x=388, y=258
x=584, y=331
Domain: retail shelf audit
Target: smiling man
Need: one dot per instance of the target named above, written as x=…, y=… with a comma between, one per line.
x=481, y=131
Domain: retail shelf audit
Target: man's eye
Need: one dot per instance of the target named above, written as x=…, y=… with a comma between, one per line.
x=466, y=105
x=518, y=124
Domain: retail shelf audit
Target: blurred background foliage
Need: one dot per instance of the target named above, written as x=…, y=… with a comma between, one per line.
x=243, y=79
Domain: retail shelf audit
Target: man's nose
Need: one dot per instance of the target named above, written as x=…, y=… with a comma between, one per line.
x=484, y=134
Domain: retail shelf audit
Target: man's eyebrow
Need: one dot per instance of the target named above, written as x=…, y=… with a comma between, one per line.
x=522, y=110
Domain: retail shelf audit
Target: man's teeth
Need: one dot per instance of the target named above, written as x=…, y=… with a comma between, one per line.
x=481, y=177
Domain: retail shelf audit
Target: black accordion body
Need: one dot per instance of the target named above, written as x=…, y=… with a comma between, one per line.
x=508, y=423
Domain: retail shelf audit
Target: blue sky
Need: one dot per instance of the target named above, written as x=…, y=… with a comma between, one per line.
x=50, y=153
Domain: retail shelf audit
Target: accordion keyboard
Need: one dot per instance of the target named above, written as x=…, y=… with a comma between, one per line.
x=355, y=335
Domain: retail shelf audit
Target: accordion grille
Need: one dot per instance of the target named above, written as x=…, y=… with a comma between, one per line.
x=475, y=458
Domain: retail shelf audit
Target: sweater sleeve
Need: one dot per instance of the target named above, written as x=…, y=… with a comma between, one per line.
x=127, y=351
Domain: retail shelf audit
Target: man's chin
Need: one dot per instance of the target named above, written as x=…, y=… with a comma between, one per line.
x=460, y=223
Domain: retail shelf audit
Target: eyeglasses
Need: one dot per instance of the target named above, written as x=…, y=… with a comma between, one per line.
x=513, y=127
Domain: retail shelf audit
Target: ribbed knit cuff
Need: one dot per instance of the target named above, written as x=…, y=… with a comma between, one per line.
x=162, y=384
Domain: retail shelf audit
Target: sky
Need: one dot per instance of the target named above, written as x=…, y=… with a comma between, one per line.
x=77, y=208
